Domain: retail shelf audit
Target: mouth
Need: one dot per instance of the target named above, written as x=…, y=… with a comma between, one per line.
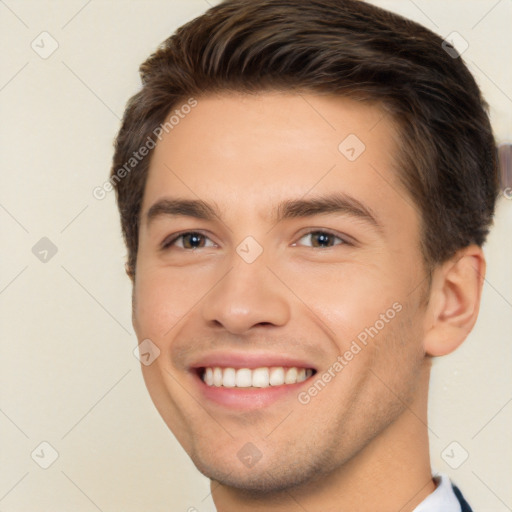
x=240, y=381
x=262, y=377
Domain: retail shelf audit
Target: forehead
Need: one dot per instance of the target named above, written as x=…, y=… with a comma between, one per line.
x=242, y=151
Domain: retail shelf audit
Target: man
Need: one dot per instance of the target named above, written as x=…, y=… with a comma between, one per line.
x=304, y=189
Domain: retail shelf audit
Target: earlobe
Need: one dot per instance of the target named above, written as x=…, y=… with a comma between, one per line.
x=456, y=293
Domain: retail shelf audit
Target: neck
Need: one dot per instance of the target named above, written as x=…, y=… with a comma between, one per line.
x=390, y=473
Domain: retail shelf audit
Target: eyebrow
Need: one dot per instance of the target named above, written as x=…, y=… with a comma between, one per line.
x=335, y=203
x=182, y=207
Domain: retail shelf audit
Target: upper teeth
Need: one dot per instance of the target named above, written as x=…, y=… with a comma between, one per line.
x=254, y=377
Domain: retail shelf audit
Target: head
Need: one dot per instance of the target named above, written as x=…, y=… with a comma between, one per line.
x=334, y=168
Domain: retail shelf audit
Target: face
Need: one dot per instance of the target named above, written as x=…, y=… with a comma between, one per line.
x=279, y=261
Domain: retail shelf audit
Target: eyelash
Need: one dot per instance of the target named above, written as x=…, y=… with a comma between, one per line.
x=170, y=242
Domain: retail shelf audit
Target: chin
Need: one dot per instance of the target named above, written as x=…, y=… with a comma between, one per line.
x=265, y=477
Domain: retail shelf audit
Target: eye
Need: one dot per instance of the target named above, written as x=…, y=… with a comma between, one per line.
x=322, y=239
x=189, y=240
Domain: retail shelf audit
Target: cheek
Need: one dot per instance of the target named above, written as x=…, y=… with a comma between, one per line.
x=373, y=380
x=159, y=304
x=349, y=297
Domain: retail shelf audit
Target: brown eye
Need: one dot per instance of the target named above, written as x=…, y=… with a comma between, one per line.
x=191, y=240
x=321, y=239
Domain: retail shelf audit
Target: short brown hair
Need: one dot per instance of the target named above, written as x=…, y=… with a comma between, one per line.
x=447, y=159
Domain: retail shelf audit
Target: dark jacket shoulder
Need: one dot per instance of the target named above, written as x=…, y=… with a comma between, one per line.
x=464, y=506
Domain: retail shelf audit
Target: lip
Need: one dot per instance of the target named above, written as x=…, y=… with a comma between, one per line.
x=245, y=398
x=246, y=360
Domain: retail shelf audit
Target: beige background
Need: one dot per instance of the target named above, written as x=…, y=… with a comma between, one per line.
x=69, y=377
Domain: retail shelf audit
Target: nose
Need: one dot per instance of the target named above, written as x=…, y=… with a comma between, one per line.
x=249, y=295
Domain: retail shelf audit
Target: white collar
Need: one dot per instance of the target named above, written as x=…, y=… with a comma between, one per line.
x=443, y=498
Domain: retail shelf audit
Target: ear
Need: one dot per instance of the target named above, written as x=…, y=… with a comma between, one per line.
x=454, y=301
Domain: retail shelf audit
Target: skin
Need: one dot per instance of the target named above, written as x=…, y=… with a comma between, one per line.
x=361, y=443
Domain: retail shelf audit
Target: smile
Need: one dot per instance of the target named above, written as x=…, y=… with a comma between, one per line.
x=262, y=377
